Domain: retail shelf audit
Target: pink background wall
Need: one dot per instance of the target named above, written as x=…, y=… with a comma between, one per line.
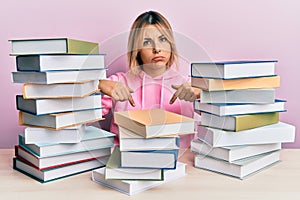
x=205, y=29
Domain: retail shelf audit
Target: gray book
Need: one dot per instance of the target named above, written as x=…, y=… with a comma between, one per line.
x=259, y=96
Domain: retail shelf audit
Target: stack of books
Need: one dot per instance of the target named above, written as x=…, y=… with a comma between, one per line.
x=60, y=83
x=240, y=131
x=148, y=151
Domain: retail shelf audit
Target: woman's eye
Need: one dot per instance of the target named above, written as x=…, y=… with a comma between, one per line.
x=163, y=39
x=147, y=42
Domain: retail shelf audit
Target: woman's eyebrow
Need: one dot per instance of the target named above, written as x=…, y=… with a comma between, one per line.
x=147, y=39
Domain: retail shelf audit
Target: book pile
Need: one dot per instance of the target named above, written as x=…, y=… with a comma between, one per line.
x=240, y=131
x=60, y=82
x=148, y=151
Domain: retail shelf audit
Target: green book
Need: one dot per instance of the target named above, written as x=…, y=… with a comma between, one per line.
x=114, y=170
x=53, y=46
x=239, y=122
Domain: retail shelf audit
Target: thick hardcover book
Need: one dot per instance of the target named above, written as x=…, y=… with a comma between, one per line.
x=134, y=187
x=154, y=122
x=233, y=69
x=53, y=174
x=52, y=106
x=51, y=77
x=275, y=133
x=42, y=135
x=61, y=120
x=240, y=168
x=61, y=160
x=236, y=84
x=130, y=141
x=227, y=109
x=239, y=122
x=94, y=138
x=62, y=90
x=232, y=153
x=158, y=159
x=53, y=46
x=114, y=170
x=258, y=96
x=59, y=62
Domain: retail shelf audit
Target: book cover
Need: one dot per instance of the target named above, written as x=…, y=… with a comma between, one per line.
x=94, y=138
x=240, y=169
x=227, y=109
x=114, y=170
x=60, y=160
x=233, y=69
x=257, y=96
x=52, y=77
x=53, y=174
x=60, y=62
x=158, y=159
x=232, y=153
x=239, y=122
x=154, y=122
x=59, y=90
x=236, y=84
x=61, y=120
x=53, y=46
x=130, y=141
x=73, y=134
x=59, y=105
x=135, y=187
x=275, y=133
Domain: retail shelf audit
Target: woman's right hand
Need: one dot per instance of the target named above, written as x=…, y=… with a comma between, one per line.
x=118, y=91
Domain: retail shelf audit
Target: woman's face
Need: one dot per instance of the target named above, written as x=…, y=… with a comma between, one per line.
x=155, y=51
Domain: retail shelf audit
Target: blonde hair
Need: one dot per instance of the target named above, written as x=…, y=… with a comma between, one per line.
x=136, y=38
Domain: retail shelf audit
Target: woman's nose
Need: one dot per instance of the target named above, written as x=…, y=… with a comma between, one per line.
x=156, y=47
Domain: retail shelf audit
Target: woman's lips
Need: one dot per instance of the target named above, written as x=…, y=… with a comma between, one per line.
x=158, y=58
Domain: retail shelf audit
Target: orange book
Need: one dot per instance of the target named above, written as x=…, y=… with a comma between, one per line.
x=154, y=122
x=236, y=84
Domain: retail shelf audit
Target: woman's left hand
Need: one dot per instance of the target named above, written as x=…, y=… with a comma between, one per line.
x=185, y=92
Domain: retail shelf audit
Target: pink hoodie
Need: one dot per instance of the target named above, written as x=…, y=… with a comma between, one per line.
x=150, y=93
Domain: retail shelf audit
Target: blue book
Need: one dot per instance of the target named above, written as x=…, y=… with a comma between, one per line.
x=233, y=69
x=158, y=159
x=94, y=138
x=43, y=106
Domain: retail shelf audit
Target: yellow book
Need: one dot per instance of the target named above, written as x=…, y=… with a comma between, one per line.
x=236, y=84
x=239, y=122
x=154, y=122
x=53, y=46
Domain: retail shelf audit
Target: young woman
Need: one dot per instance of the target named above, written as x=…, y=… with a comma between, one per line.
x=153, y=79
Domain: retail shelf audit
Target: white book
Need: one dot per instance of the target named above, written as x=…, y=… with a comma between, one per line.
x=53, y=46
x=60, y=160
x=51, y=106
x=61, y=120
x=158, y=159
x=114, y=170
x=130, y=141
x=42, y=135
x=60, y=62
x=94, y=138
x=59, y=90
x=258, y=96
x=238, y=109
x=134, y=187
x=240, y=168
x=51, y=77
x=275, y=133
x=232, y=153
x=59, y=172
x=233, y=69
